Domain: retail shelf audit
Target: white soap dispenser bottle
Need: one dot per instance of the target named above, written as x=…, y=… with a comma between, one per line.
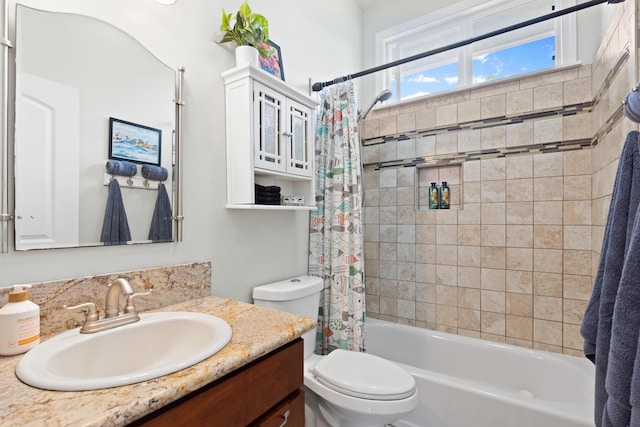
x=19, y=323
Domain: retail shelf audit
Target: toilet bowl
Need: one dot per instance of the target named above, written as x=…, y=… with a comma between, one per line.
x=343, y=388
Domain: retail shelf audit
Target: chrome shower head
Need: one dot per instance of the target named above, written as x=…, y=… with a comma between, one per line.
x=382, y=96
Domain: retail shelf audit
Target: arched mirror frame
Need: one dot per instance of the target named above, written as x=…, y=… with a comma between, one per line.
x=6, y=215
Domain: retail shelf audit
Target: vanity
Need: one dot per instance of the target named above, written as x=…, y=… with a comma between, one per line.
x=256, y=379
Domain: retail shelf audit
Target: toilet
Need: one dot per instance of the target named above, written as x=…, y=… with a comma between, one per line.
x=343, y=388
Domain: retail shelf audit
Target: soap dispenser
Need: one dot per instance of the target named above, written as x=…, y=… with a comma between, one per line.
x=434, y=196
x=445, y=199
x=19, y=323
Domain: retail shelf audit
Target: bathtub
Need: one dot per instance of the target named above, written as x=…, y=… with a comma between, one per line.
x=465, y=381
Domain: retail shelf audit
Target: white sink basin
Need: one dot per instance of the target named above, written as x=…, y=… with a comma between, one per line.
x=157, y=345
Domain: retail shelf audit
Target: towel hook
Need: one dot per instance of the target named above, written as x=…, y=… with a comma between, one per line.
x=129, y=180
x=115, y=171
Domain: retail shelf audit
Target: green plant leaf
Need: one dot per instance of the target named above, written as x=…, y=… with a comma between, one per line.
x=245, y=9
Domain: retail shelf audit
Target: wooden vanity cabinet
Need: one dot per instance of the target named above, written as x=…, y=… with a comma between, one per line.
x=264, y=393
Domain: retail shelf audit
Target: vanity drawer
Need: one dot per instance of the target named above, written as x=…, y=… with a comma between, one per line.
x=243, y=396
x=289, y=413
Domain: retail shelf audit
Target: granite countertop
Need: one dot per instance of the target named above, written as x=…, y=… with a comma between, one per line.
x=256, y=332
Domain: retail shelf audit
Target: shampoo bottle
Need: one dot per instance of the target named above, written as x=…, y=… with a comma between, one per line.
x=19, y=323
x=434, y=196
x=445, y=196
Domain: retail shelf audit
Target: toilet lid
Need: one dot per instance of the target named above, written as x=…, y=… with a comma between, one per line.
x=364, y=375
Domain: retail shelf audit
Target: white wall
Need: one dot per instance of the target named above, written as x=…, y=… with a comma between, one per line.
x=245, y=247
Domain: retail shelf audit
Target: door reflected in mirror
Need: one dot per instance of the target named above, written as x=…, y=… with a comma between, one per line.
x=73, y=73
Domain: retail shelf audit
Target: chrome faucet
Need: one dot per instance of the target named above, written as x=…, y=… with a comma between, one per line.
x=112, y=317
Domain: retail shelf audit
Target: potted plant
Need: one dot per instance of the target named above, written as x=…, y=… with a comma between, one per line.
x=248, y=30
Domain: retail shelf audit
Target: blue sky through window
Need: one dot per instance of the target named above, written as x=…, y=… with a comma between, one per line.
x=524, y=58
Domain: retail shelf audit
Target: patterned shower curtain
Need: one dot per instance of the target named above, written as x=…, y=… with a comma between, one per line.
x=335, y=241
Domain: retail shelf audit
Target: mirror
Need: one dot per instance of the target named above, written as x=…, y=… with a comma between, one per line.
x=74, y=73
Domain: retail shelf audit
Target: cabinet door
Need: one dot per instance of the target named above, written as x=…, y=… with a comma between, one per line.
x=289, y=413
x=299, y=138
x=269, y=124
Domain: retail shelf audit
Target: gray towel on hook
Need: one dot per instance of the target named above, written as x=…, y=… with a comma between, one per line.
x=115, y=228
x=596, y=326
x=161, y=223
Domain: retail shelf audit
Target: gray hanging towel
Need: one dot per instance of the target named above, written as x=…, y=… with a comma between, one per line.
x=115, y=228
x=161, y=223
x=597, y=324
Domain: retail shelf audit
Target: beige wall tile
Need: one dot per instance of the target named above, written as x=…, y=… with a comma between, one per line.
x=520, y=259
x=548, y=188
x=577, y=126
x=446, y=115
x=426, y=146
x=406, y=309
x=547, y=308
x=493, y=301
x=469, y=256
x=469, y=298
x=577, y=91
x=446, y=143
x=547, y=213
x=493, y=137
x=447, y=254
x=577, y=262
x=577, y=162
x=518, y=167
x=547, y=130
x=548, y=96
x=520, y=134
x=548, y=236
x=573, y=311
x=446, y=295
x=469, y=319
x=388, y=126
x=493, y=213
x=577, y=187
x=406, y=122
x=549, y=164
x=388, y=306
x=426, y=233
x=472, y=192
x=519, y=213
x=426, y=312
x=519, y=236
x=469, y=277
x=447, y=234
x=493, y=257
x=426, y=119
x=468, y=235
x=493, y=106
x=577, y=287
x=519, y=190
x=470, y=214
x=492, y=323
x=519, y=101
x=493, y=235
x=371, y=128
x=577, y=212
x=577, y=237
x=519, y=304
x=547, y=260
x=447, y=315
x=446, y=275
x=493, y=191
x=469, y=111
x=493, y=169
x=492, y=279
x=547, y=284
x=519, y=281
x=519, y=327
x=426, y=292
x=571, y=337
x=547, y=332
x=471, y=171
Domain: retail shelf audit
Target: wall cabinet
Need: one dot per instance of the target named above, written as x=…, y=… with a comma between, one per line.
x=269, y=137
x=267, y=392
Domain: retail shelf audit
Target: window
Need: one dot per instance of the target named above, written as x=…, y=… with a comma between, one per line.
x=535, y=47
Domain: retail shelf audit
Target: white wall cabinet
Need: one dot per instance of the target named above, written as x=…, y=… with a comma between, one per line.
x=270, y=138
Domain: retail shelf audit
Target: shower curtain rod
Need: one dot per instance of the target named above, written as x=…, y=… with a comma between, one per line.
x=319, y=85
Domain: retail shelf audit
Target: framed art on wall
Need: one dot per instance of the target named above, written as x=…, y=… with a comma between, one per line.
x=273, y=62
x=134, y=142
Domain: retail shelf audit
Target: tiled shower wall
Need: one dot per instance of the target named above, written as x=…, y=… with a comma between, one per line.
x=530, y=163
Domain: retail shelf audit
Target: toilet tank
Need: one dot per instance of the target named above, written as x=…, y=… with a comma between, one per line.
x=298, y=295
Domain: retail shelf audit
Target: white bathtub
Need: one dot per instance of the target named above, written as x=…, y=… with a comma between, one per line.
x=470, y=382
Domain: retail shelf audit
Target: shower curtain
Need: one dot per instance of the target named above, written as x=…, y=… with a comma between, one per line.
x=335, y=240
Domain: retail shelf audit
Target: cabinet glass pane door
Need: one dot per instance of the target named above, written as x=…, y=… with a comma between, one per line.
x=269, y=124
x=299, y=149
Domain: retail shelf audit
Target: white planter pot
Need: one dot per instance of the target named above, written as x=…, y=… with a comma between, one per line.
x=247, y=55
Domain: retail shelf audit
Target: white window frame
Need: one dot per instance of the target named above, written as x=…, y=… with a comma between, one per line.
x=410, y=37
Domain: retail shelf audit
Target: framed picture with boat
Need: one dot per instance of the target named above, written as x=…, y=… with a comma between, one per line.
x=134, y=142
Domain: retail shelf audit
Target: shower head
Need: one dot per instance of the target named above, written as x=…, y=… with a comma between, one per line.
x=382, y=96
